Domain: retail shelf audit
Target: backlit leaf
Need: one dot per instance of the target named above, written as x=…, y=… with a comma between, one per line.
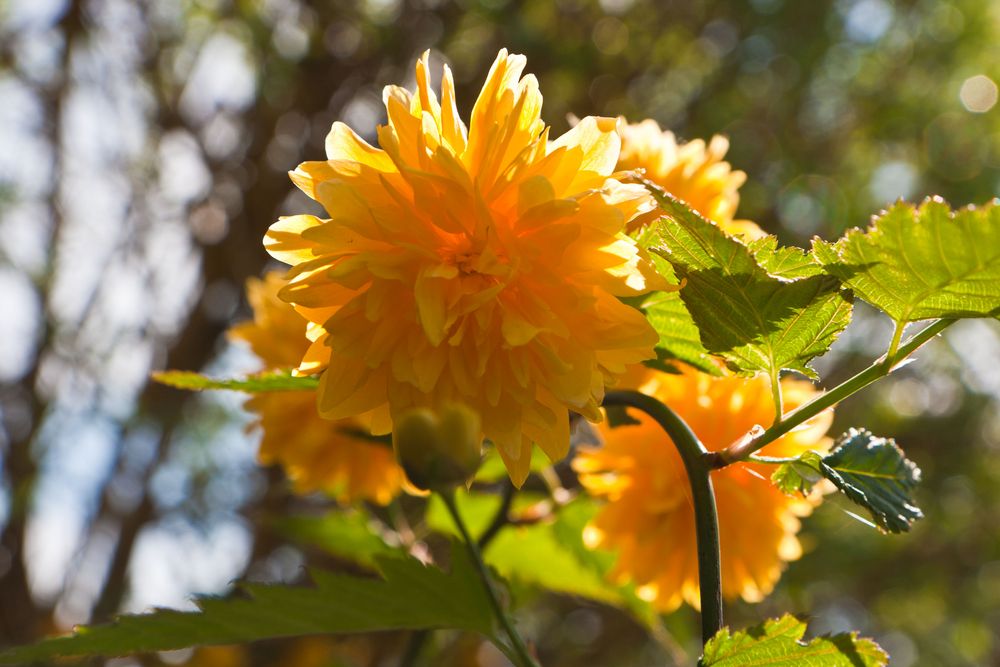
x=679, y=336
x=800, y=475
x=921, y=263
x=778, y=643
x=758, y=321
x=268, y=381
x=409, y=595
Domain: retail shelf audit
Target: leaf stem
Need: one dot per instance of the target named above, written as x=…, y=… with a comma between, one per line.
x=697, y=464
x=879, y=369
x=897, y=336
x=779, y=406
x=520, y=652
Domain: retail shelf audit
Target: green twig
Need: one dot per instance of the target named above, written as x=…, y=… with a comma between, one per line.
x=520, y=650
x=747, y=446
x=501, y=518
x=698, y=468
x=779, y=406
x=419, y=638
x=897, y=336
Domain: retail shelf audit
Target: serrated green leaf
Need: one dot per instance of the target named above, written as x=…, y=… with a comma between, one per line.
x=875, y=473
x=679, y=336
x=784, y=262
x=347, y=534
x=779, y=642
x=757, y=321
x=410, y=595
x=268, y=381
x=921, y=263
x=800, y=475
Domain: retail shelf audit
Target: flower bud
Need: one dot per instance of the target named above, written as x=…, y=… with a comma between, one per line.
x=438, y=449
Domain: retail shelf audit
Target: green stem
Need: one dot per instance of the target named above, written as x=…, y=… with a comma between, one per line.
x=697, y=465
x=419, y=637
x=501, y=518
x=520, y=652
x=897, y=336
x=744, y=448
x=779, y=407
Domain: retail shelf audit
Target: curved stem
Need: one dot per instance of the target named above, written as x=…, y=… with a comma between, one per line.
x=879, y=369
x=520, y=650
x=706, y=519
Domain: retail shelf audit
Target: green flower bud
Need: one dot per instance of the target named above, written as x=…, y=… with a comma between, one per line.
x=438, y=449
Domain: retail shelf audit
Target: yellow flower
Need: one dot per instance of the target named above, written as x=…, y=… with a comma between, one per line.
x=478, y=266
x=317, y=454
x=690, y=171
x=649, y=518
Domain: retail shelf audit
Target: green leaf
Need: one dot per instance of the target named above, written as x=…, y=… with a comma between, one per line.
x=410, y=595
x=784, y=262
x=268, y=381
x=779, y=642
x=921, y=263
x=800, y=475
x=874, y=473
x=347, y=534
x=679, y=336
x=756, y=320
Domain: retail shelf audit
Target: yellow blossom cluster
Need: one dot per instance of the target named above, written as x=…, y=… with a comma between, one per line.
x=485, y=266
x=480, y=265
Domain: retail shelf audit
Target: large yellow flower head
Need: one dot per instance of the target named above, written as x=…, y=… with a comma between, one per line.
x=692, y=171
x=649, y=518
x=316, y=453
x=477, y=266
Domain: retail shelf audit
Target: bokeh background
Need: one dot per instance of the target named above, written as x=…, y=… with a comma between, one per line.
x=143, y=151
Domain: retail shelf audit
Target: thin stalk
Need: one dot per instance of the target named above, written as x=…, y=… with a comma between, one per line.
x=879, y=369
x=419, y=638
x=897, y=336
x=501, y=518
x=520, y=652
x=779, y=406
x=697, y=465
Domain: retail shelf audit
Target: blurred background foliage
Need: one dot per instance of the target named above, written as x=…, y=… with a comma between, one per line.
x=143, y=151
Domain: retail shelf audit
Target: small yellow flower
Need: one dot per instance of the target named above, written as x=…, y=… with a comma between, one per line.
x=317, y=454
x=479, y=266
x=692, y=171
x=649, y=518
